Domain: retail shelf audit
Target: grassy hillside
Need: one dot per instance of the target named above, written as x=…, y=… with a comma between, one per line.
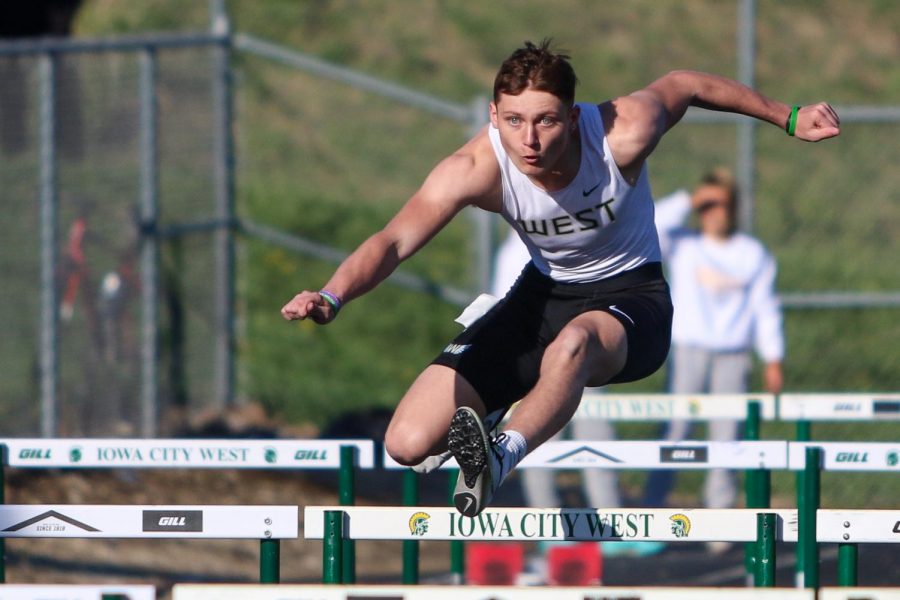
x=331, y=163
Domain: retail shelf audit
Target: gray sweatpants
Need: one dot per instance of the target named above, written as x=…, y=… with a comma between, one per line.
x=698, y=371
x=601, y=486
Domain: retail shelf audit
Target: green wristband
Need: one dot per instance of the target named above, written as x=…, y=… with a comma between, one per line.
x=791, y=125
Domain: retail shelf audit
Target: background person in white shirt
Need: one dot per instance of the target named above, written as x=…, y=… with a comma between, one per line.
x=723, y=292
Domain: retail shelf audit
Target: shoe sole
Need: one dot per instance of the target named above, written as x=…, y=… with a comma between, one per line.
x=468, y=443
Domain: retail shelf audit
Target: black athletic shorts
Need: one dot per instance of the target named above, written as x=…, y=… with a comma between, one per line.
x=500, y=354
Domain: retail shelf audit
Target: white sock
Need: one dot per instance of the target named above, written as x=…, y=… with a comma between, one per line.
x=513, y=448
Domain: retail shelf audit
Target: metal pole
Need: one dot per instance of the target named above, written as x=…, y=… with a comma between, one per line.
x=223, y=171
x=410, y=547
x=149, y=247
x=848, y=559
x=347, y=492
x=457, y=548
x=804, y=434
x=332, y=551
x=807, y=518
x=764, y=575
x=269, y=561
x=49, y=340
x=746, y=150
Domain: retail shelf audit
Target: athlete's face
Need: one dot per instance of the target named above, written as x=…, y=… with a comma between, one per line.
x=536, y=130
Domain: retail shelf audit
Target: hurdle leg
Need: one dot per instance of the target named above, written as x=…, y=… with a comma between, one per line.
x=848, y=559
x=807, y=518
x=269, y=561
x=764, y=573
x=757, y=486
x=804, y=434
x=347, y=493
x=457, y=549
x=332, y=547
x=410, y=547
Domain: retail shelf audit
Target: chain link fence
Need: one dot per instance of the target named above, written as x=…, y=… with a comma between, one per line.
x=74, y=142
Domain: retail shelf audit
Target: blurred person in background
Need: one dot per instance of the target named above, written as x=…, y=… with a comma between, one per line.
x=593, y=307
x=723, y=292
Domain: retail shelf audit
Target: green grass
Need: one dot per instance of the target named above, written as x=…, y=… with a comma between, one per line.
x=333, y=164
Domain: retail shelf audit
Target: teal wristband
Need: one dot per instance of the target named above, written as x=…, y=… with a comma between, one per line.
x=333, y=300
x=791, y=125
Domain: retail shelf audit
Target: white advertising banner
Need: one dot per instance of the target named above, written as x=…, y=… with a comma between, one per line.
x=664, y=407
x=445, y=592
x=149, y=521
x=183, y=453
x=848, y=456
x=839, y=407
x=614, y=454
x=533, y=524
x=75, y=592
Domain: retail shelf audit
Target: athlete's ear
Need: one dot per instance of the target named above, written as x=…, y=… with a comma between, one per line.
x=574, y=114
x=494, y=117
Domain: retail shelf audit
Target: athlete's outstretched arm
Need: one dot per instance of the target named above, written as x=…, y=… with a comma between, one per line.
x=643, y=117
x=462, y=179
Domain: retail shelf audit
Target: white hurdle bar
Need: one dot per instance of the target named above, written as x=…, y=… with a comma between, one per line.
x=839, y=407
x=76, y=453
x=147, y=521
x=665, y=407
x=616, y=454
x=848, y=456
x=268, y=524
x=76, y=592
x=334, y=592
x=858, y=593
x=542, y=524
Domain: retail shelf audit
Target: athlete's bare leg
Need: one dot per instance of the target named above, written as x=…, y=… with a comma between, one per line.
x=419, y=426
x=589, y=351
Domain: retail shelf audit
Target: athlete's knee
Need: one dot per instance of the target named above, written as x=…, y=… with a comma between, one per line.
x=572, y=343
x=407, y=445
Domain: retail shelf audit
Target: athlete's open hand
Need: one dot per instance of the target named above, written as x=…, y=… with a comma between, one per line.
x=310, y=305
x=817, y=122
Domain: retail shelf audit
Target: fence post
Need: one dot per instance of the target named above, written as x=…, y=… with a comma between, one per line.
x=347, y=492
x=804, y=434
x=848, y=559
x=49, y=203
x=269, y=561
x=410, y=547
x=764, y=574
x=149, y=246
x=332, y=547
x=457, y=549
x=807, y=518
x=757, y=484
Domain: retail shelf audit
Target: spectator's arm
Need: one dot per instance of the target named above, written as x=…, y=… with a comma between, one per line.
x=670, y=214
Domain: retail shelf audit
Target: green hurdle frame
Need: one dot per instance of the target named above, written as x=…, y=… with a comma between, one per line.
x=757, y=488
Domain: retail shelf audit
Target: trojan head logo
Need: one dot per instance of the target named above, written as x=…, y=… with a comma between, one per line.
x=694, y=407
x=893, y=459
x=271, y=456
x=418, y=523
x=75, y=454
x=681, y=525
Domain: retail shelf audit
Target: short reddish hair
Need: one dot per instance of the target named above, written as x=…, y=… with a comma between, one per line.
x=539, y=68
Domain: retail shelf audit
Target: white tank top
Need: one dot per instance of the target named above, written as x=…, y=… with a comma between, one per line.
x=596, y=227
